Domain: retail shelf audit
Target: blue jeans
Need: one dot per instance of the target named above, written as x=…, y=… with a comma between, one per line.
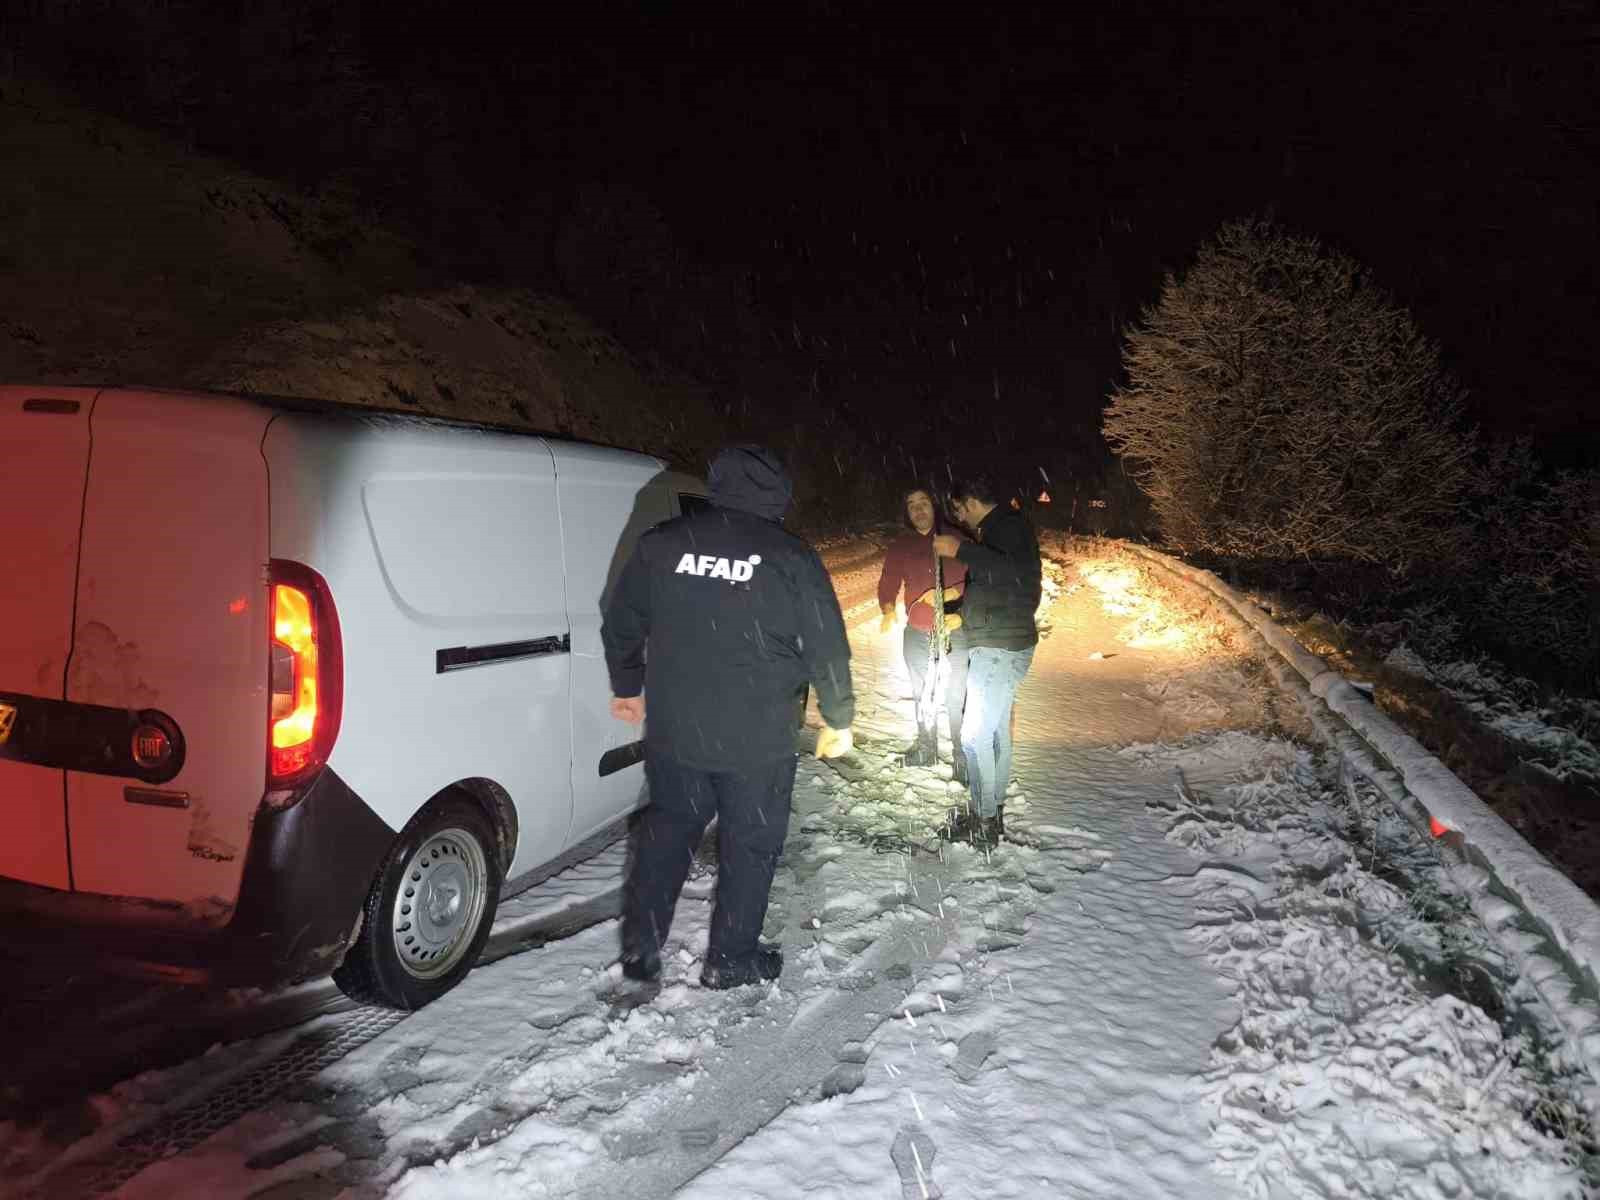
x=914, y=644
x=992, y=680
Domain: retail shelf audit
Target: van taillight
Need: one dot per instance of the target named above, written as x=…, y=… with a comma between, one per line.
x=306, y=675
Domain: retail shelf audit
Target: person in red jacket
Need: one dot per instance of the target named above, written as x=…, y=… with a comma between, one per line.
x=908, y=567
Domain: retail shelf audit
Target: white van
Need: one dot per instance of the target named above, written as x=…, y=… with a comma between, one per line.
x=289, y=688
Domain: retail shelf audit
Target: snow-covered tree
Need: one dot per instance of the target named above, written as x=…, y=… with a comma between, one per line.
x=1280, y=405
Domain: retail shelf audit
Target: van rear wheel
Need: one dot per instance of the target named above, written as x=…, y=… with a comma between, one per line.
x=429, y=911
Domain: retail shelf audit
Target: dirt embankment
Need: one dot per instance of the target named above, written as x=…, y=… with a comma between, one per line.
x=124, y=259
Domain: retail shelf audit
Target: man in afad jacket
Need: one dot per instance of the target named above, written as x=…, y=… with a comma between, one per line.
x=1003, y=586
x=718, y=621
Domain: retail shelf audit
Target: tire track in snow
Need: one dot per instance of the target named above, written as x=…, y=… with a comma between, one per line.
x=755, y=1077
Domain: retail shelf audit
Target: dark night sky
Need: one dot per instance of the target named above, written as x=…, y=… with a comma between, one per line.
x=891, y=182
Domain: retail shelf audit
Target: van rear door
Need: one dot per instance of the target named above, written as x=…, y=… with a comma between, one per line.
x=172, y=628
x=44, y=454
x=607, y=501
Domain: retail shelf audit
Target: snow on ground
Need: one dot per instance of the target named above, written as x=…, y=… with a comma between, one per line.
x=1355, y=1068
x=1196, y=976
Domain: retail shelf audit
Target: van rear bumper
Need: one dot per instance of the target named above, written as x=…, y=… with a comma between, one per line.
x=306, y=877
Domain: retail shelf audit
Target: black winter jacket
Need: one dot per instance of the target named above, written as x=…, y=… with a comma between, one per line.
x=1002, y=583
x=722, y=617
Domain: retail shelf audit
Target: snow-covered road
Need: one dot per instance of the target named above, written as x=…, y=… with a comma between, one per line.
x=1186, y=982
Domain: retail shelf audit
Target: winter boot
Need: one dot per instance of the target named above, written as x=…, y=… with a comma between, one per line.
x=924, y=752
x=961, y=823
x=641, y=968
x=765, y=965
x=989, y=831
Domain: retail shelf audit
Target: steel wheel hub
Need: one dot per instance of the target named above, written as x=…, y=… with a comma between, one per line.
x=439, y=904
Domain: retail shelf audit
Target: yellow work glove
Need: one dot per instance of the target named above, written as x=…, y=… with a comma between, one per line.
x=886, y=621
x=952, y=622
x=834, y=743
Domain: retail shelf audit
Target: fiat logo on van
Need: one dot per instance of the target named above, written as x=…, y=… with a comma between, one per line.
x=151, y=747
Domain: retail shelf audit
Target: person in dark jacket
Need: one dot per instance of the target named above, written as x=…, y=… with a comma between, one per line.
x=719, y=620
x=1003, y=587
x=908, y=566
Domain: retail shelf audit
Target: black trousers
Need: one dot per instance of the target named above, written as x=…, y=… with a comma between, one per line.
x=752, y=811
x=914, y=645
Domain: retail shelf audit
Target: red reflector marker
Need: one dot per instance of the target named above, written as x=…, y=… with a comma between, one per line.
x=1437, y=827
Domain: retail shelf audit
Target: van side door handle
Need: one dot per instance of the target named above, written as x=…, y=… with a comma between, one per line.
x=457, y=658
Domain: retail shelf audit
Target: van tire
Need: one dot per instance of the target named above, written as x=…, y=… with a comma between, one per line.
x=450, y=853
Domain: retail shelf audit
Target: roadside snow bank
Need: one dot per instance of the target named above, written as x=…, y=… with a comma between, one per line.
x=1513, y=870
x=1152, y=624
x=1356, y=1066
